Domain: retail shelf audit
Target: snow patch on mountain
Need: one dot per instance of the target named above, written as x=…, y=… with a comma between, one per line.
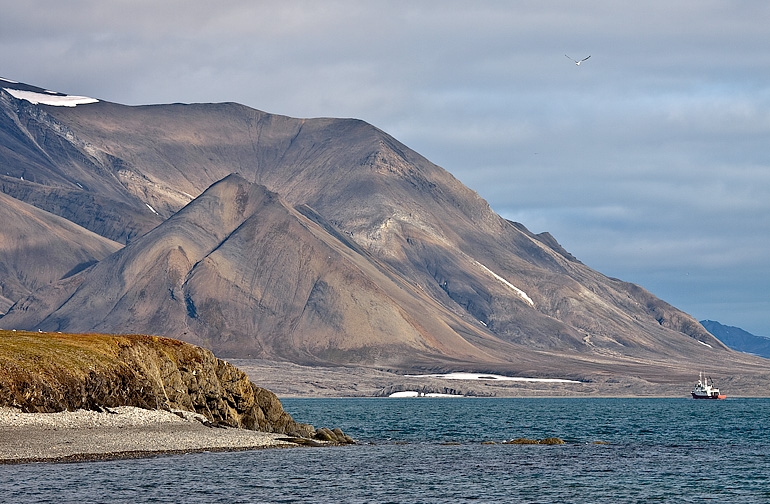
x=523, y=295
x=56, y=100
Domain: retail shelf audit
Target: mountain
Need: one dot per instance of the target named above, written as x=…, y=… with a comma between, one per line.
x=317, y=241
x=738, y=339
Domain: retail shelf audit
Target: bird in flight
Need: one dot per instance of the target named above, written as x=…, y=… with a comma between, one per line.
x=578, y=62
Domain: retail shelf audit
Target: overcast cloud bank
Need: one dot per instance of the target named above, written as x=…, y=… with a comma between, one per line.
x=648, y=161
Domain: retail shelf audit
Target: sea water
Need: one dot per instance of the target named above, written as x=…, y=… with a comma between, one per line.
x=437, y=450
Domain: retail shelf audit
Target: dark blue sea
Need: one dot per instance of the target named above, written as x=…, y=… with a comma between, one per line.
x=432, y=450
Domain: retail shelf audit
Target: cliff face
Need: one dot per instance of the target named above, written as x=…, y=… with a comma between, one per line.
x=48, y=372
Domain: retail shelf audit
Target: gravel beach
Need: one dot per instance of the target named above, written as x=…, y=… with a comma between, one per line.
x=124, y=432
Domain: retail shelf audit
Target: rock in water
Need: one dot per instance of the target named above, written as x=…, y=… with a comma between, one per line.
x=527, y=441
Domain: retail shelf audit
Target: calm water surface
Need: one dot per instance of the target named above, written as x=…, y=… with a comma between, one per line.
x=430, y=450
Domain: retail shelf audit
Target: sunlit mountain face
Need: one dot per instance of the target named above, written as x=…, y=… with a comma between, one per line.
x=313, y=241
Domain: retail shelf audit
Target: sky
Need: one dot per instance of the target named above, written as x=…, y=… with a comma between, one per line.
x=650, y=162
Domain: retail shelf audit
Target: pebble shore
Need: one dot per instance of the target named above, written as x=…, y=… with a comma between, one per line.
x=124, y=432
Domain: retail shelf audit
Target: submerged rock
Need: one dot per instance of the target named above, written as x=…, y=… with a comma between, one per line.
x=521, y=441
x=546, y=441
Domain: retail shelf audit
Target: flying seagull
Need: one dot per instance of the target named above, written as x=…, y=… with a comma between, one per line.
x=578, y=62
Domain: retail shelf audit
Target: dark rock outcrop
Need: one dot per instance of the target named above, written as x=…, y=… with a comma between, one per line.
x=49, y=372
x=323, y=436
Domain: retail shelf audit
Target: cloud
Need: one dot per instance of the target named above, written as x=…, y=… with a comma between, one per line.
x=648, y=158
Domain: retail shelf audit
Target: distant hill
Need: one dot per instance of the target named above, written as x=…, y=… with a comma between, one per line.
x=738, y=339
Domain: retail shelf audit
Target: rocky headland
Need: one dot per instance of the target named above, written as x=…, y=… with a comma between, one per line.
x=73, y=382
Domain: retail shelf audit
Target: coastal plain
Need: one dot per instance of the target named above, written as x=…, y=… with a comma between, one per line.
x=287, y=379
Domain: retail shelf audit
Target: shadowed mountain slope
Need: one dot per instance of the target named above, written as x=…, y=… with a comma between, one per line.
x=38, y=248
x=45, y=164
x=350, y=247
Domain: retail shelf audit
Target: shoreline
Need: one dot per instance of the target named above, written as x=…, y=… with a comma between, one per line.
x=130, y=455
x=120, y=433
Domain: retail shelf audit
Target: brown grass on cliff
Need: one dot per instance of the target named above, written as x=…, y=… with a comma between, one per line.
x=26, y=354
x=47, y=372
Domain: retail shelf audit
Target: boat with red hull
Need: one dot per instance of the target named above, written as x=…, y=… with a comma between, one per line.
x=705, y=389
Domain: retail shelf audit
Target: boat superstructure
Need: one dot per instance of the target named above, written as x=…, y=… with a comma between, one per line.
x=705, y=389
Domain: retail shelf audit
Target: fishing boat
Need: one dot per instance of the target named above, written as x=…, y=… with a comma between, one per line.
x=705, y=389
